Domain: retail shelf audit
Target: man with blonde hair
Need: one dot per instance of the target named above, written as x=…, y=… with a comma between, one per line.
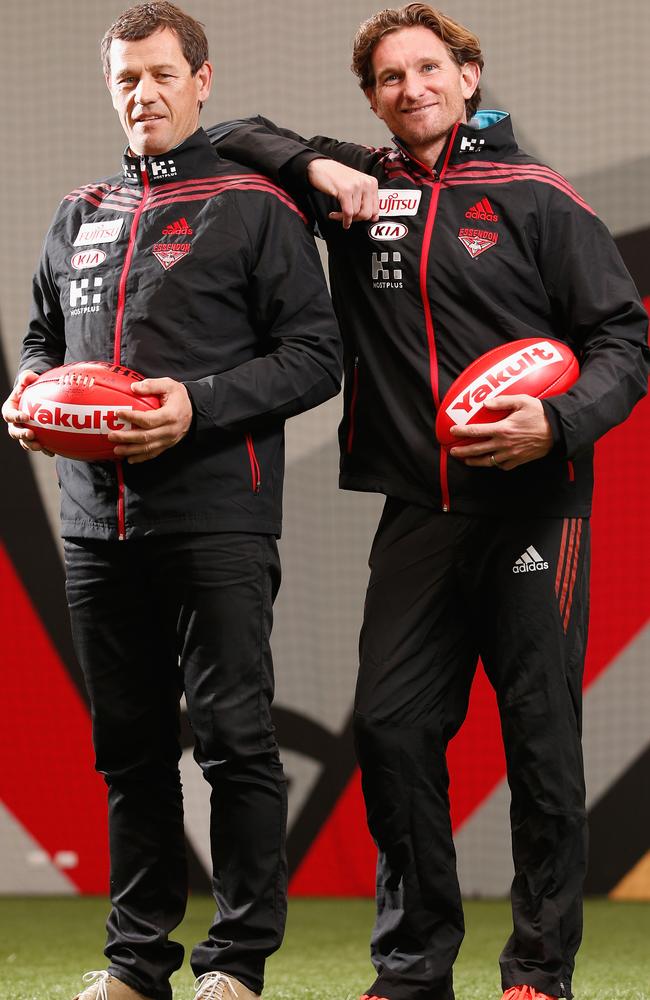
x=468, y=244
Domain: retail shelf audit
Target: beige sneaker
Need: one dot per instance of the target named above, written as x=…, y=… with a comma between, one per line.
x=106, y=987
x=219, y=986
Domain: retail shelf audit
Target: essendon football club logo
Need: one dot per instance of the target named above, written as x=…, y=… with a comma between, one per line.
x=170, y=253
x=476, y=241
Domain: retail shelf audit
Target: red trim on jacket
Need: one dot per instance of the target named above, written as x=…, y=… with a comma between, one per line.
x=353, y=404
x=426, y=305
x=255, y=466
x=117, y=340
x=121, y=513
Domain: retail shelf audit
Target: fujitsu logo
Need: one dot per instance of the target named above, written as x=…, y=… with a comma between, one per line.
x=493, y=381
x=75, y=418
x=398, y=202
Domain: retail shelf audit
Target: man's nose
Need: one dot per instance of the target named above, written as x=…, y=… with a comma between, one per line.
x=413, y=86
x=146, y=92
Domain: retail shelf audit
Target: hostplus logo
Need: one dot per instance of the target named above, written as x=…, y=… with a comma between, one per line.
x=160, y=169
x=471, y=145
x=385, y=270
x=85, y=295
x=530, y=561
x=130, y=172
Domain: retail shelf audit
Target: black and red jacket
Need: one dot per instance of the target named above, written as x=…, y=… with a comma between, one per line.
x=490, y=246
x=195, y=268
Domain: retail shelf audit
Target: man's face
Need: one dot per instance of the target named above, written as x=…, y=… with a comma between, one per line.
x=420, y=91
x=154, y=92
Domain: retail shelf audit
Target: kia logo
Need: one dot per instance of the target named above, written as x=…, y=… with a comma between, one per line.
x=88, y=258
x=388, y=231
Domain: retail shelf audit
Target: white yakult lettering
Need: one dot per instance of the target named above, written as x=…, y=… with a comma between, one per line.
x=75, y=418
x=492, y=382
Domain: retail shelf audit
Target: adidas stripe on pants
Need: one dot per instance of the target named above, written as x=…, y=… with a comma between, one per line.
x=444, y=590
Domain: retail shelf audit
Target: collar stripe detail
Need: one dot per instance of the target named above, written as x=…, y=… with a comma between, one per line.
x=491, y=172
x=514, y=178
x=188, y=191
x=212, y=179
x=224, y=188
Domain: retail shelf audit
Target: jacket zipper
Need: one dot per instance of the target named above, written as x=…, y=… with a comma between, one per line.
x=119, y=319
x=353, y=403
x=428, y=319
x=255, y=465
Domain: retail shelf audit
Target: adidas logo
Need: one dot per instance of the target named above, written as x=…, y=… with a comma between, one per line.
x=529, y=561
x=178, y=228
x=482, y=210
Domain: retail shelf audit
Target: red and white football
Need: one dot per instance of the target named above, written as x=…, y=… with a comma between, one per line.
x=73, y=408
x=531, y=367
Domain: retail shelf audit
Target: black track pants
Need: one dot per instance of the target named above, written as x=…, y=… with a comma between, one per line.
x=445, y=589
x=152, y=619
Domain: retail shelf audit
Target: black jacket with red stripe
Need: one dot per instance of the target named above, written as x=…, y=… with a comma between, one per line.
x=195, y=268
x=490, y=246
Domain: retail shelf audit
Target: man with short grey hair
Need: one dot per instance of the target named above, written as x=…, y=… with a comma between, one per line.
x=205, y=279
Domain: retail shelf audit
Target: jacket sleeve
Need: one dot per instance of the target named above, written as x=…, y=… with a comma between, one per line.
x=284, y=156
x=300, y=353
x=44, y=343
x=597, y=309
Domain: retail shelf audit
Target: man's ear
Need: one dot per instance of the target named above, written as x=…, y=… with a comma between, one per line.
x=203, y=79
x=470, y=74
x=107, y=79
x=370, y=94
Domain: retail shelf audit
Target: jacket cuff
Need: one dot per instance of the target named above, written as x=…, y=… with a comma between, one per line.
x=559, y=443
x=296, y=168
x=201, y=400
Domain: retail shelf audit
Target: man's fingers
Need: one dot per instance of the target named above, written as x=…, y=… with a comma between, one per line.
x=479, y=430
x=359, y=203
x=146, y=419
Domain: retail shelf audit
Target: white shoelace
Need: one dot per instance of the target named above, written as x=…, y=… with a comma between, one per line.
x=101, y=978
x=211, y=986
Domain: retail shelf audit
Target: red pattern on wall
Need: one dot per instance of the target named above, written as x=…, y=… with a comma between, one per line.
x=50, y=787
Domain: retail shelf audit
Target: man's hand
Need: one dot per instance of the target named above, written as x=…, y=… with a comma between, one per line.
x=522, y=436
x=16, y=418
x=357, y=193
x=154, y=430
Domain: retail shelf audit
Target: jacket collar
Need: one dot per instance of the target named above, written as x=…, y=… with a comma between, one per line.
x=487, y=136
x=181, y=163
